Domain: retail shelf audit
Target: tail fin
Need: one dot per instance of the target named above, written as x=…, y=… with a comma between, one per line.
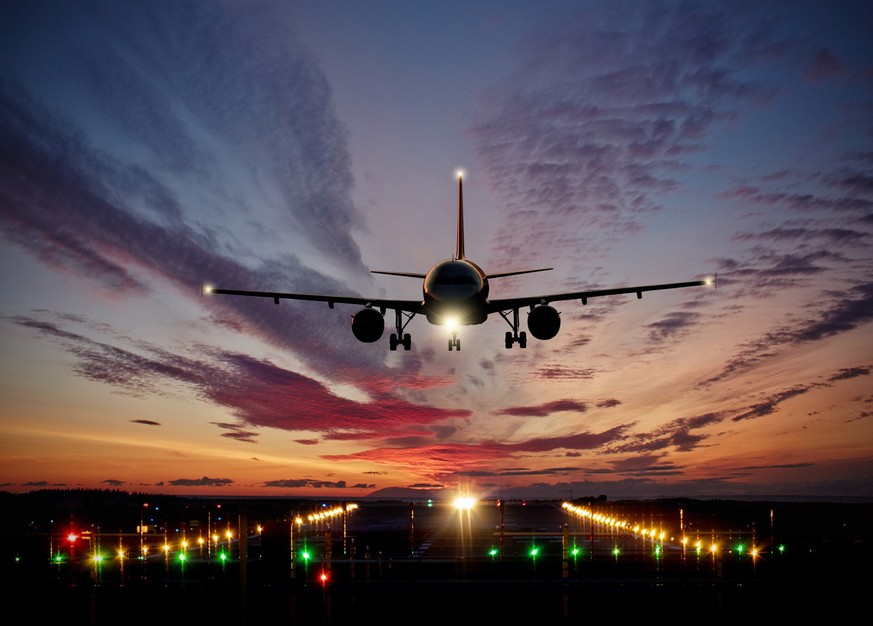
x=459, y=248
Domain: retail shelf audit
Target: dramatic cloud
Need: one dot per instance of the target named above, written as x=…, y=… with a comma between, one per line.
x=672, y=326
x=769, y=406
x=846, y=311
x=307, y=483
x=545, y=409
x=201, y=482
x=258, y=392
x=126, y=219
x=851, y=372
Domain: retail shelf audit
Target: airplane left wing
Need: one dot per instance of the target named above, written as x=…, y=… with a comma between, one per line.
x=543, y=321
x=505, y=304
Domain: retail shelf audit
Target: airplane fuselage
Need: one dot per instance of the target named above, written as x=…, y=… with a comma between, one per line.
x=455, y=292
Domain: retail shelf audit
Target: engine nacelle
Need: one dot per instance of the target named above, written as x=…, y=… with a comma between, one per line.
x=544, y=322
x=368, y=324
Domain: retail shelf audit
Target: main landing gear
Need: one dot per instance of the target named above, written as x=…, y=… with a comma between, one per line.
x=399, y=338
x=454, y=342
x=513, y=336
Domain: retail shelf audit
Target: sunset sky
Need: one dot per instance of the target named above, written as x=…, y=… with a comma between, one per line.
x=149, y=147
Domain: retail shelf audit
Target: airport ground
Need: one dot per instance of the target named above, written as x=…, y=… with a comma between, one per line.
x=392, y=562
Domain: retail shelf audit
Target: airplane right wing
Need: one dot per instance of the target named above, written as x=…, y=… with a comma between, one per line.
x=505, y=304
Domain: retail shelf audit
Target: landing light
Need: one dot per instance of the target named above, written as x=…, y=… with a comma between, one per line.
x=460, y=173
x=464, y=503
x=451, y=322
x=208, y=289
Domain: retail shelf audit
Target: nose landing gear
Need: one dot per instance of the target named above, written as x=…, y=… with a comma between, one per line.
x=454, y=342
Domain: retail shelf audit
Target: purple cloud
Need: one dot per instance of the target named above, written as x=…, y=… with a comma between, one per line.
x=258, y=392
x=543, y=410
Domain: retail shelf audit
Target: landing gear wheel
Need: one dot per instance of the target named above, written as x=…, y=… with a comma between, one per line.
x=407, y=342
x=392, y=342
x=508, y=340
x=454, y=342
x=522, y=339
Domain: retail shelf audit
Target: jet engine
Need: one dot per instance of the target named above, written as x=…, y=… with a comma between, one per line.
x=368, y=324
x=544, y=322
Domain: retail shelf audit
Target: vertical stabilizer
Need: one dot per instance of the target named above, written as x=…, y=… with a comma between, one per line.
x=459, y=248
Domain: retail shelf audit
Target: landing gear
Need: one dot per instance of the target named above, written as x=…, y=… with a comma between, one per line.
x=406, y=342
x=454, y=342
x=400, y=324
x=519, y=338
x=513, y=336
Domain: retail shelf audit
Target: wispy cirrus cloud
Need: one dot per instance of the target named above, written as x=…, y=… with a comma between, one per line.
x=606, y=114
x=180, y=172
x=848, y=310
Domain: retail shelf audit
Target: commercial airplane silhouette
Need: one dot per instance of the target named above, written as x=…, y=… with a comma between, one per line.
x=455, y=293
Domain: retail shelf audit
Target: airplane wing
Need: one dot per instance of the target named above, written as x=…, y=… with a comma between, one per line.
x=505, y=304
x=410, y=306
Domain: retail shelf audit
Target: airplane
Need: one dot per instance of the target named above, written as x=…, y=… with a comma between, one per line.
x=455, y=293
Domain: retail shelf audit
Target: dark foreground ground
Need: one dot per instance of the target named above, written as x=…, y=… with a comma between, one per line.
x=403, y=563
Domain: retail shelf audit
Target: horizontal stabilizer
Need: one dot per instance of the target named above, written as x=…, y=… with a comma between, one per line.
x=407, y=274
x=503, y=274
